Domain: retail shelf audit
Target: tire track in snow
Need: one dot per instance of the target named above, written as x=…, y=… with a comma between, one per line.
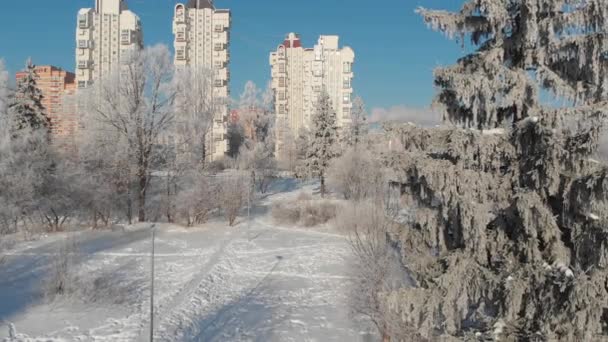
x=178, y=301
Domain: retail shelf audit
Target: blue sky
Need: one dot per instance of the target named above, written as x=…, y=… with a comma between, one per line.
x=395, y=51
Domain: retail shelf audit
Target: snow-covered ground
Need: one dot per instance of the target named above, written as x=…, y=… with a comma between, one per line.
x=253, y=282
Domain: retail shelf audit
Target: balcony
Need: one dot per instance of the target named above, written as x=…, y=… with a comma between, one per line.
x=219, y=83
x=221, y=120
x=219, y=28
x=180, y=55
x=83, y=21
x=84, y=64
x=125, y=37
x=180, y=37
x=180, y=18
x=219, y=47
x=84, y=44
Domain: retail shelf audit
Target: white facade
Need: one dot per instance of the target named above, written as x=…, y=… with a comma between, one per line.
x=104, y=35
x=300, y=74
x=202, y=39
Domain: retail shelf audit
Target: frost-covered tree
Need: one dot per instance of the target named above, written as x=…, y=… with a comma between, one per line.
x=358, y=129
x=249, y=106
x=264, y=125
x=506, y=232
x=233, y=190
x=26, y=109
x=24, y=154
x=134, y=108
x=323, y=139
x=196, y=106
x=259, y=159
x=255, y=112
x=356, y=175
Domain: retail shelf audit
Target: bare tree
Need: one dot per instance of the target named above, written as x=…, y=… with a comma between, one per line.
x=356, y=174
x=196, y=107
x=233, y=192
x=358, y=129
x=379, y=269
x=134, y=105
x=197, y=198
x=259, y=160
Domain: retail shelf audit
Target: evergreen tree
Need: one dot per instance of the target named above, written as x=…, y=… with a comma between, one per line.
x=27, y=110
x=323, y=139
x=507, y=234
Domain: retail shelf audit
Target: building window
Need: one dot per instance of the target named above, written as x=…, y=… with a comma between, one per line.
x=281, y=109
x=281, y=96
x=125, y=37
x=180, y=54
x=346, y=111
x=347, y=67
x=281, y=82
x=282, y=67
x=181, y=34
x=346, y=83
x=83, y=21
x=346, y=98
x=83, y=64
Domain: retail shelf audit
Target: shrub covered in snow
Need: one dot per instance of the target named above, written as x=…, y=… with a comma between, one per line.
x=304, y=211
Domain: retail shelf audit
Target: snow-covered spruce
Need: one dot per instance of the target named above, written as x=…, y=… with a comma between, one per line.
x=323, y=139
x=497, y=207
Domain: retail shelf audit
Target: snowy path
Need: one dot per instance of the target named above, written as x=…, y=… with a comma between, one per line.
x=254, y=282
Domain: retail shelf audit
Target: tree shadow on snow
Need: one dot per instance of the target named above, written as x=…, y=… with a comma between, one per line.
x=246, y=317
x=22, y=277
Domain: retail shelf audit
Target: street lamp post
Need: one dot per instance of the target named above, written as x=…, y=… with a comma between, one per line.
x=152, y=285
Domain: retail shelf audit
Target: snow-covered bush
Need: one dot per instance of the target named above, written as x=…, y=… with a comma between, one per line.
x=61, y=278
x=379, y=267
x=356, y=175
x=304, y=211
x=197, y=199
x=233, y=189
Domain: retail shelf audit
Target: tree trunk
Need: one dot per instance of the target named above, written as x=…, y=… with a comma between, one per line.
x=129, y=207
x=322, y=185
x=168, y=213
x=141, y=197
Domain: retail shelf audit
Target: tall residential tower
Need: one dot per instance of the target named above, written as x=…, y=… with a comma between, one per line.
x=300, y=74
x=202, y=38
x=104, y=35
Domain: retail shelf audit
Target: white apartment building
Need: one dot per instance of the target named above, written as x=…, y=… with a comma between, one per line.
x=202, y=39
x=300, y=74
x=104, y=35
